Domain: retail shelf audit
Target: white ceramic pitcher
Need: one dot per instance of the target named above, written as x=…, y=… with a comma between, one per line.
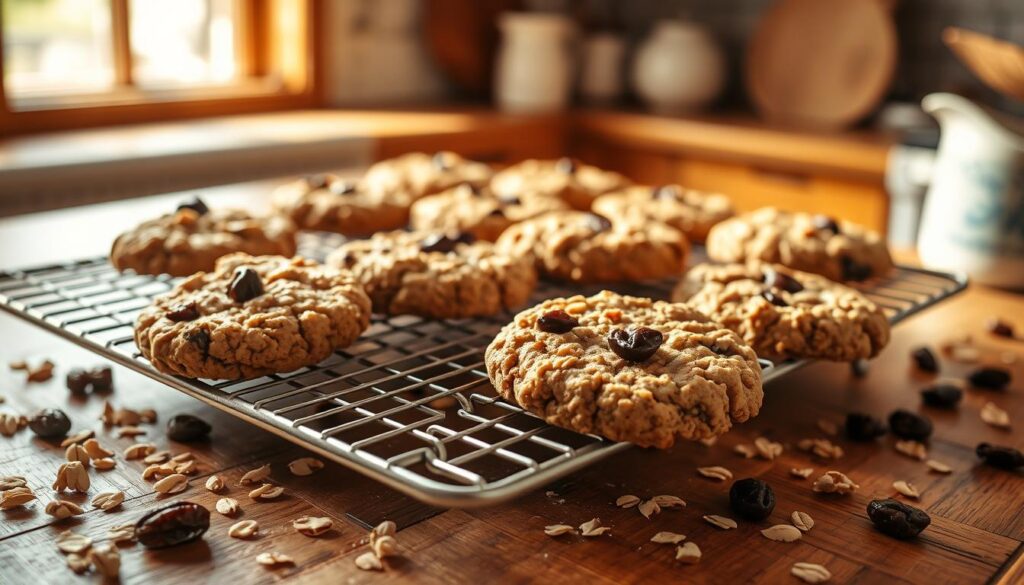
x=973, y=219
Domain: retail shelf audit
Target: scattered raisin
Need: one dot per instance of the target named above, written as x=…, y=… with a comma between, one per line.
x=598, y=223
x=925, y=360
x=195, y=204
x=908, y=425
x=897, y=519
x=245, y=285
x=183, y=312
x=752, y=498
x=637, y=345
x=774, y=298
x=78, y=381
x=172, y=525
x=50, y=423
x=186, y=428
x=1000, y=456
x=98, y=379
x=496, y=212
x=942, y=396
x=825, y=223
x=853, y=270
x=779, y=280
x=1000, y=328
x=557, y=321
x=863, y=427
x=445, y=243
x=990, y=378
x=566, y=165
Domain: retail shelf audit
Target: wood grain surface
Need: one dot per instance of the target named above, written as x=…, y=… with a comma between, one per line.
x=977, y=513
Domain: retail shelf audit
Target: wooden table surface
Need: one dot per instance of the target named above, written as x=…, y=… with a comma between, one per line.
x=977, y=512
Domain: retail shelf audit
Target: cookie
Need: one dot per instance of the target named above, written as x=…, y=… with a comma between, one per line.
x=194, y=237
x=417, y=175
x=626, y=368
x=692, y=212
x=839, y=250
x=436, y=275
x=250, y=317
x=331, y=204
x=785, y=313
x=569, y=180
x=585, y=247
x=477, y=211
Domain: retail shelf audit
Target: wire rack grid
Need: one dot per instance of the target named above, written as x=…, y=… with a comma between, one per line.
x=408, y=404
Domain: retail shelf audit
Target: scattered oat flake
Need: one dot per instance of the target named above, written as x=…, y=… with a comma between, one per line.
x=907, y=489
x=665, y=501
x=273, y=558
x=649, y=508
x=266, y=491
x=104, y=463
x=368, y=561
x=78, y=438
x=71, y=542
x=720, y=522
x=821, y=447
x=828, y=427
x=708, y=442
x=938, y=466
x=668, y=538
x=810, y=572
x=244, y=529
x=801, y=472
x=767, y=448
x=157, y=457
x=227, y=506
x=834, y=482
x=744, y=450
x=107, y=501
x=627, y=501
x=593, y=528
x=15, y=497
x=9, y=482
x=558, y=529
x=995, y=416
x=312, y=525
x=385, y=546
x=106, y=559
x=255, y=475
x=214, y=483
x=305, y=466
x=782, y=533
x=688, y=553
x=122, y=533
x=172, y=484
x=802, y=520
x=715, y=472
x=61, y=509
x=18, y=365
x=912, y=449
x=130, y=431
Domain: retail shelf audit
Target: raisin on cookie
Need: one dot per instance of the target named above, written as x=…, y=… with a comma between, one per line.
x=250, y=317
x=586, y=247
x=784, y=313
x=839, y=250
x=331, y=204
x=573, y=182
x=692, y=212
x=477, y=211
x=626, y=368
x=194, y=237
x=436, y=275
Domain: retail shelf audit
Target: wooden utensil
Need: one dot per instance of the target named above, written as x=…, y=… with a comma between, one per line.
x=998, y=63
x=821, y=63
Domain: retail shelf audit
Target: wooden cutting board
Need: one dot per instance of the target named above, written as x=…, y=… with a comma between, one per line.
x=821, y=63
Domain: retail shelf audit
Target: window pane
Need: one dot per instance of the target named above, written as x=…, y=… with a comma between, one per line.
x=184, y=42
x=56, y=46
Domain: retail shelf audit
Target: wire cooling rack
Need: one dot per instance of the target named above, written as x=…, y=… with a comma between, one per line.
x=408, y=404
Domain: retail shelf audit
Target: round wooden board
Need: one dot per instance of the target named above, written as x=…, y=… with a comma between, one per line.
x=821, y=63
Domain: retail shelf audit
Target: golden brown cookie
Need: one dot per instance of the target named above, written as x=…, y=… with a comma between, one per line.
x=477, y=211
x=692, y=212
x=571, y=181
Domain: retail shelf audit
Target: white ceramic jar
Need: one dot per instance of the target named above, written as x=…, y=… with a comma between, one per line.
x=535, y=64
x=601, y=71
x=678, y=68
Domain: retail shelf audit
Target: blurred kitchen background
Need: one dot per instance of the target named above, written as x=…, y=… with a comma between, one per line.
x=813, y=105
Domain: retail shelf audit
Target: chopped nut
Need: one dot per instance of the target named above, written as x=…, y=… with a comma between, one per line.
x=938, y=466
x=715, y=472
x=266, y=492
x=61, y=509
x=122, y=533
x=10, y=482
x=244, y=529
x=305, y=466
x=172, y=484
x=17, y=365
x=139, y=450
x=802, y=472
x=77, y=453
x=368, y=561
x=153, y=471
x=274, y=558
x=157, y=457
x=649, y=508
x=669, y=501
x=256, y=475
x=130, y=431
x=77, y=438
x=995, y=416
x=558, y=529
x=912, y=449
x=107, y=501
x=15, y=497
x=186, y=468
x=593, y=528
x=821, y=447
x=8, y=424
x=720, y=522
x=183, y=457
x=627, y=501
x=312, y=525
x=689, y=553
x=907, y=489
x=782, y=533
x=802, y=520
x=95, y=450
x=106, y=560
x=745, y=450
x=227, y=506
x=71, y=542
x=41, y=373
x=668, y=538
x=214, y=483
x=385, y=546
x=104, y=463
x=834, y=482
x=73, y=476
x=767, y=449
x=810, y=572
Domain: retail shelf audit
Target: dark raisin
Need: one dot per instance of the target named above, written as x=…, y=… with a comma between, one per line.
x=779, y=280
x=497, y=212
x=343, y=187
x=897, y=519
x=445, y=242
x=442, y=160
x=195, y=204
x=637, y=345
x=200, y=339
x=752, y=498
x=670, y=192
x=1000, y=456
x=598, y=223
x=245, y=285
x=78, y=381
x=925, y=360
x=774, y=298
x=860, y=368
x=566, y=165
x=102, y=378
x=509, y=200
x=178, y=523
x=557, y=321
x=853, y=270
x=990, y=378
x=183, y=312
x=186, y=428
x=318, y=181
x=942, y=396
x=50, y=423
x=863, y=427
x=825, y=223
x=1000, y=328
x=908, y=425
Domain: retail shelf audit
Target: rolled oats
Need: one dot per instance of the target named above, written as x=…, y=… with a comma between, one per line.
x=938, y=466
x=152, y=471
x=385, y=528
x=649, y=508
x=274, y=558
x=78, y=437
x=744, y=450
x=767, y=448
x=305, y=466
x=71, y=542
x=266, y=492
x=801, y=472
x=12, y=481
x=828, y=427
x=104, y=464
x=368, y=561
x=214, y=483
x=95, y=450
x=15, y=497
x=130, y=431
x=157, y=457
x=802, y=520
x=385, y=546
x=122, y=533
x=715, y=472
x=593, y=528
x=77, y=453
x=172, y=484
x=182, y=457
x=227, y=506
x=61, y=509
x=72, y=476
x=107, y=501
x=994, y=416
x=720, y=522
x=106, y=559
x=912, y=449
x=139, y=450
x=782, y=533
x=627, y=501
x=244, y=529
x=669, y=501
x=8, y=424
x=821, y=447
x=186, y=468
x=558, y=529
x=834, y=482
x=255, y=475
x=810, y=572
x=907, y=489
x=668, y=538
x=708, y=441
x=688, y=553
x=312, y=525
x=78, y=563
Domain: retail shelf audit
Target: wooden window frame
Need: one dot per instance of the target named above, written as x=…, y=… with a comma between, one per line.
x=278, y=53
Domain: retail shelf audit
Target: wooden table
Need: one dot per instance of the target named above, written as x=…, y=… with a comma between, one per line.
x=977, y=513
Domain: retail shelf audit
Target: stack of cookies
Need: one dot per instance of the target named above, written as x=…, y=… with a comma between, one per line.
x=443, y=237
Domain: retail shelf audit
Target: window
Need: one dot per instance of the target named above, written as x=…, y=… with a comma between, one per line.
x=73, y=63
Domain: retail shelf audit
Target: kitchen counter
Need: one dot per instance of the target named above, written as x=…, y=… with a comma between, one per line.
x=977, y=520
